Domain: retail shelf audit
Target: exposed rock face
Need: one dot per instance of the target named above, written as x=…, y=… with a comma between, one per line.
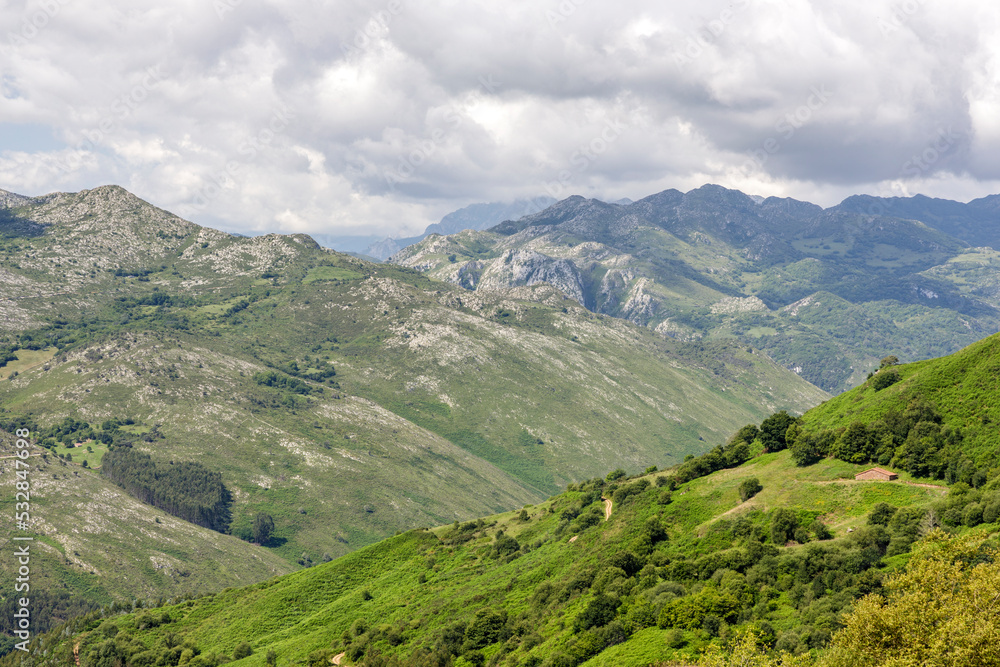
x=717, y=262
x=527, y=267
x=11, y=199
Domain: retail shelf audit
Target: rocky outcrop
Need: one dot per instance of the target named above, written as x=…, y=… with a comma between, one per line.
x=527, y=267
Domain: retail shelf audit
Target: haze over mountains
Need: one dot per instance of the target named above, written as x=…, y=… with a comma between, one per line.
x=826, y=292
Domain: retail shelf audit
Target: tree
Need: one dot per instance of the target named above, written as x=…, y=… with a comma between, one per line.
x=806, y=450
x=749, y=488
x=881, y=514
x=885, y=378
x=943, y=610
x=891, y=360
x=773, y=429
x=242, y=650
x=854, y=445
x=263, y=527
x=783, y=525
x=747, y=434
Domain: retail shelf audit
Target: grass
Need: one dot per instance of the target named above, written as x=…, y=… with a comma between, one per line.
x=26, y=360
x=90, y=451
x=330, y=273
x=423, y=581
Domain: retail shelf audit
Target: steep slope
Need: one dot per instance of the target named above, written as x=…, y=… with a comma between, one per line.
x=715, y=263
x=95, y=544
x=347, y=400
x=725, y=543
x=934, y=418
x=556, y=583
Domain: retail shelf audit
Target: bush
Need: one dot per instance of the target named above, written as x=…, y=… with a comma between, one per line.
x=773, y=430
x=486, y=628
x=885, y=378
x=749, y=488
x=783, y=525
x=819, y=529
x=599, y=612
x=675, y=638
x=615, y=474
x=973, y=515
x=243, y=650
x=881, y=515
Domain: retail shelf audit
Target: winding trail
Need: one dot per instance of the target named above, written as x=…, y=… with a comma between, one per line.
x=335, y=660
x=607, y=507
x=76, y=653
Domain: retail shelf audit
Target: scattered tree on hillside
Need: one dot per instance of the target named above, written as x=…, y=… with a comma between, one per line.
x=886, y=362
x=263, y=528
x=749, y=488
x=773, y=429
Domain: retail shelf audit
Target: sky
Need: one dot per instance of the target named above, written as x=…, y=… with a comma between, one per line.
x=377, y=118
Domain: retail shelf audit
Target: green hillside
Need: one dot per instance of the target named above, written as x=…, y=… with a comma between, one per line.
x=95, y=544
x=934, y=418
x=346, y=400
x=668, y=574
x=750, y=537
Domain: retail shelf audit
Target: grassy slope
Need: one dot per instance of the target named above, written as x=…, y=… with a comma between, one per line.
x=95, y=540
x=962, y=387
x=309, y=611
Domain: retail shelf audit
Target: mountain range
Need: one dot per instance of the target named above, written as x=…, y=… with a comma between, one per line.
x=824, y=292
x=345, y=400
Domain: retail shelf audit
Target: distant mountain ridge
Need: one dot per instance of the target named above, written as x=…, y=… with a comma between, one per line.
x=841, y=287
x=475, y=216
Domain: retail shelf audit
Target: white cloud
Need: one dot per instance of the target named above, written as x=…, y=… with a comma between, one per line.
x=337, y=117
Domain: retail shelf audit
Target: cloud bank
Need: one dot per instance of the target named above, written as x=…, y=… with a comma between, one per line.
x=339, y=117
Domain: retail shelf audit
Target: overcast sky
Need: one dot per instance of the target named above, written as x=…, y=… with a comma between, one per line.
x=342, y=117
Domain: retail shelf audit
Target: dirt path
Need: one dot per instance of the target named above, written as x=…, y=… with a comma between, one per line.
x=335, y=660
x=76, y=653
x=607, y=507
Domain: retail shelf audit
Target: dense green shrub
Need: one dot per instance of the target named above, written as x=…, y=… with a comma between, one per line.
x=749, y=488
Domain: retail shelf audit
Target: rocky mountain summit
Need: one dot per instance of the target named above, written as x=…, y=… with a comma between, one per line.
x=833, y=290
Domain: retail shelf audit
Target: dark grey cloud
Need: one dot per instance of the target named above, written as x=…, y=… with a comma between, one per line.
x=358, y=117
